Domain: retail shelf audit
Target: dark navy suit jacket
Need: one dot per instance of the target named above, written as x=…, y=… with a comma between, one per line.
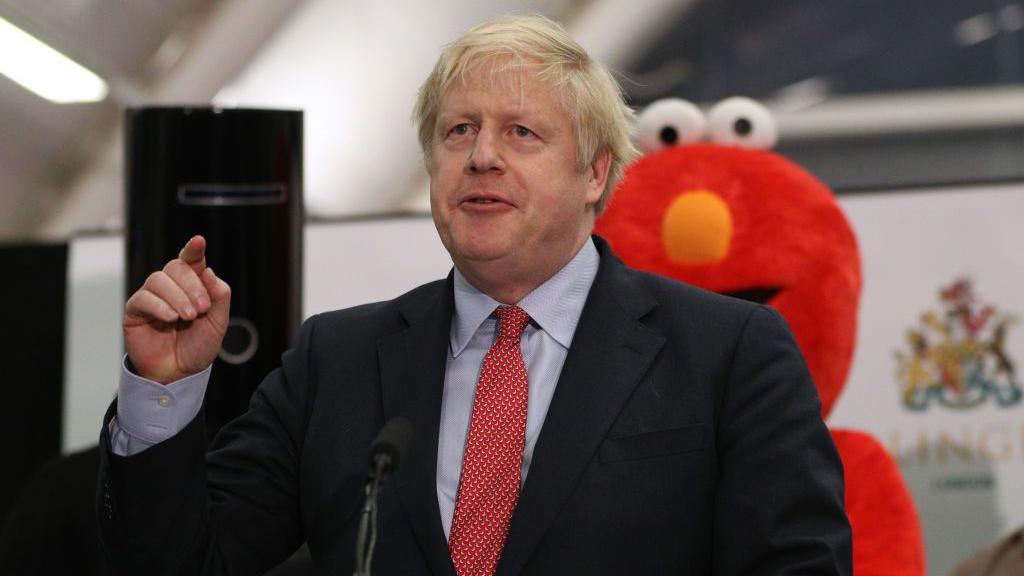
x=684, y=437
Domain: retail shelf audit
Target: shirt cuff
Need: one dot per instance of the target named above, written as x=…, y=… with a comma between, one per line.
x=149, y=412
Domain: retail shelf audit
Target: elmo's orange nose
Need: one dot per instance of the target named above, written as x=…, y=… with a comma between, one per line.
x=697, y=228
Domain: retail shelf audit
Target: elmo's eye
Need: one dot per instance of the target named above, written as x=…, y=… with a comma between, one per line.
x=742, y=122
x=669, y=122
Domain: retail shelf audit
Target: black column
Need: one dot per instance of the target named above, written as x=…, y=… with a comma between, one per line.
x=32, y=357
x=234, y=176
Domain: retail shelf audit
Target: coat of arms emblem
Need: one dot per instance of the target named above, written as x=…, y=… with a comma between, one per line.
x=956, y=357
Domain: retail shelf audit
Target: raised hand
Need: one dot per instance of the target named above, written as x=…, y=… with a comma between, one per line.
x=174, y=324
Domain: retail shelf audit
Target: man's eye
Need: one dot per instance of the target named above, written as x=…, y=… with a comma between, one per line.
x=460, y=129
x=523, y=131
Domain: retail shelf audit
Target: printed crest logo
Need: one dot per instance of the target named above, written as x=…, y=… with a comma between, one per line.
x=957, y=357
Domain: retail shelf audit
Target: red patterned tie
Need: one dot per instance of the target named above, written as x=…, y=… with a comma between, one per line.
x=491, y=468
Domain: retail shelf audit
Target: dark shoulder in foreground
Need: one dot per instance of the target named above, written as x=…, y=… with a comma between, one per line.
x=688, y=300
x=683, y=304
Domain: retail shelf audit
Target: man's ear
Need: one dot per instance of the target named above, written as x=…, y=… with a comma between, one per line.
x=597, y=176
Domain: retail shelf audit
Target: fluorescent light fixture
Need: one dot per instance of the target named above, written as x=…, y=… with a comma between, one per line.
x=45, y=71
x=975, y=30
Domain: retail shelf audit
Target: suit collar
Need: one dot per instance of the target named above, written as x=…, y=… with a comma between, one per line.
x=622, y=284
x=555, y=305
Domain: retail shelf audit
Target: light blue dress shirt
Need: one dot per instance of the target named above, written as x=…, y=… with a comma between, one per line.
x=149, y=412
x=554, y=308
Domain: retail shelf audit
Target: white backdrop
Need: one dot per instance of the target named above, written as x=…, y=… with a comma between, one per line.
x=964, y=466
x=92, y=335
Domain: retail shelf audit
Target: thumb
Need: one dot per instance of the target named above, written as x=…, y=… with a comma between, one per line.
x=220, y=294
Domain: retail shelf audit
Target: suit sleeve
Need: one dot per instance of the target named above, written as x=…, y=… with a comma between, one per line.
x=177, y=509
x=779, y=506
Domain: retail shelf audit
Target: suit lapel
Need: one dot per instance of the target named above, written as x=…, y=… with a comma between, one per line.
x=412, y=365
x=610, y=352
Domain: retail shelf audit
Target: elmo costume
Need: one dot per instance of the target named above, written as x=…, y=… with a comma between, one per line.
x=732, y=217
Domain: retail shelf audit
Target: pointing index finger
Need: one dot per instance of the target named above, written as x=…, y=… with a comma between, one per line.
x=194, y=253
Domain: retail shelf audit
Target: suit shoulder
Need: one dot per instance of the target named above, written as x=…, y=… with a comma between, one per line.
x=681, y=297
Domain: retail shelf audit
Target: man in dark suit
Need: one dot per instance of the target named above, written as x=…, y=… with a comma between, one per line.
x=572, y=416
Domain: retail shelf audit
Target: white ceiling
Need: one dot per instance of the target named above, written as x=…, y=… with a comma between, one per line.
x=351, y=65
x=113, y=37
x=42, y=144
x=61, y=165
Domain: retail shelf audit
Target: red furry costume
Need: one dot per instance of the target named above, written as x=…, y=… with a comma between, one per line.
x=753, y=224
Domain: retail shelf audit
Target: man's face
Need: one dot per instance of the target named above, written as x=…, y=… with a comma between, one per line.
x=505, y=191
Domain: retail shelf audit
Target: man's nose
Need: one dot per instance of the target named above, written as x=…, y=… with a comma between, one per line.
x=486, y=153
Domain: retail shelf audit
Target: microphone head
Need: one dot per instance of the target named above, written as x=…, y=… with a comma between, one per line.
x=393, y=441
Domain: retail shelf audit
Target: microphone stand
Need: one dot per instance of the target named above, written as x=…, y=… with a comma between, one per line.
x=366, y=539
x=385, y=456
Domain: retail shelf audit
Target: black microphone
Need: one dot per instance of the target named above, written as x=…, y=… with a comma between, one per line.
x=385, y=455
x=387, y=450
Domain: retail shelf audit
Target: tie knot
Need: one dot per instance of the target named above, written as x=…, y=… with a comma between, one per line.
x=511, y=321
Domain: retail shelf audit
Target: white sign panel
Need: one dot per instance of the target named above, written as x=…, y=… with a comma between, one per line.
x=95, y=307
x=937, y=371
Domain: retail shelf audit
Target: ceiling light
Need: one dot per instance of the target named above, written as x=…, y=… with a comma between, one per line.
x=975, y=30
x=43, y=70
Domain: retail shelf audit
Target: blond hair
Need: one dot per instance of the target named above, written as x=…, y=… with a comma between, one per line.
x=601, y=119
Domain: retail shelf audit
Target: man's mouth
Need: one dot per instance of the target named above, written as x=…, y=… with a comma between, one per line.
x=760, y=295
x=485, y=200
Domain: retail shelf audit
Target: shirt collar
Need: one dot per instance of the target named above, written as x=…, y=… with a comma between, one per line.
x=555, y=305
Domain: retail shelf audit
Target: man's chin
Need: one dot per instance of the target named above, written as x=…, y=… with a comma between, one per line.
x=477, y=255
x=481, y=252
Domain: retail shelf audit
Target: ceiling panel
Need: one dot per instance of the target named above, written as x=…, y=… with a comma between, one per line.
x=116, y=37
x=757, y=48
x=42, y=144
